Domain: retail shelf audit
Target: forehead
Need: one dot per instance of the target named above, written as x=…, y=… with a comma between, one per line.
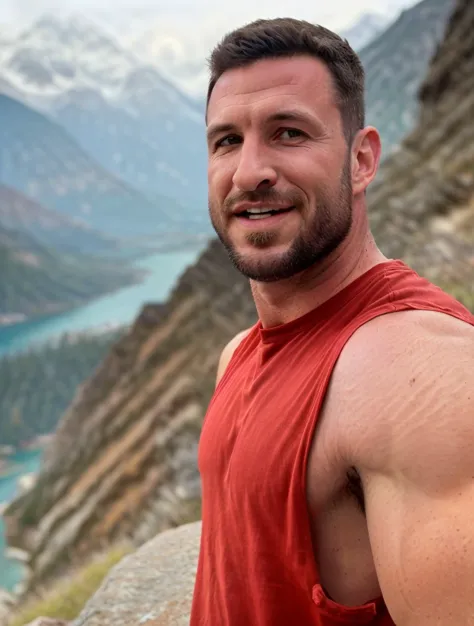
x=272, y=84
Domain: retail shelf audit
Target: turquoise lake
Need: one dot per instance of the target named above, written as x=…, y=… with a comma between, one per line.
x=121, y=307
x=25, y=462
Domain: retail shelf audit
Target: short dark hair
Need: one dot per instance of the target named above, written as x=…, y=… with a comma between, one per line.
x=287, y=37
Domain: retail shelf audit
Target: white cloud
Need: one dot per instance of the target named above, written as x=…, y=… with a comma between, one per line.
x=179, y=34
x=183, y=13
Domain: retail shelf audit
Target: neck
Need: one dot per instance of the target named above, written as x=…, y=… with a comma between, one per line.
x=283, y=301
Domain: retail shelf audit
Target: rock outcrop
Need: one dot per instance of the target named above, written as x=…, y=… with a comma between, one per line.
x=123, y=463
x=422, y=204
x=154, y=586
x=396, y=62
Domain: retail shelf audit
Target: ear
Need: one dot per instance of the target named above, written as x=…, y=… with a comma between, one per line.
x=366, y=150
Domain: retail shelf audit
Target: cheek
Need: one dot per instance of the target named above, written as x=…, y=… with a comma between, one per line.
x=304, y=169
x=318, y=178
x=219, y=178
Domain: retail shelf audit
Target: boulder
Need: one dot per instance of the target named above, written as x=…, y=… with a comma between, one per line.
x=151, y=587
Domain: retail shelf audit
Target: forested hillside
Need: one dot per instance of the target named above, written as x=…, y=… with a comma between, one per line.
x=36, y=281
x=50, y=228
x=37, y=386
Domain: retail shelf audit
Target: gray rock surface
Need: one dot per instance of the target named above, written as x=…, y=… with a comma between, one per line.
x=151, y=587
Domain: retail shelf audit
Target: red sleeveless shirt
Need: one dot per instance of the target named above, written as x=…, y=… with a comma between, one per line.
x=256, y=565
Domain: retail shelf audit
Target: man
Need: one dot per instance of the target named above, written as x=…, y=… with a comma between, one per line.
x=336, y=456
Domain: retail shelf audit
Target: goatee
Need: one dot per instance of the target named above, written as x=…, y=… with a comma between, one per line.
x=329, y=227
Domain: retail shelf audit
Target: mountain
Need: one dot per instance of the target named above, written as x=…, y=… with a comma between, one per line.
x=50, y=228
x=39, y=159
x=53, y=55
x=123, y=460
x=181, y=55
x=35, y=281
x=136, y=123
x=365, y=29
x=143, y=139
x=395, y=54
x=422, y=202
x=396, y=63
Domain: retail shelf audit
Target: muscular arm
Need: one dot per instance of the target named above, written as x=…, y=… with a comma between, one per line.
x=415, y=454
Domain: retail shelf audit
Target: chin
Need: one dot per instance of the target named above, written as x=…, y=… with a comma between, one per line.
x=264, y=265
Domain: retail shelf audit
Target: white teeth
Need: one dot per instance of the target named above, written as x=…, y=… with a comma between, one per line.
x=257, y=216
x=263, y=210
x=260, y=213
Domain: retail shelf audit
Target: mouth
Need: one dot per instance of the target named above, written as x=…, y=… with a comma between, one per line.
x=262, y=213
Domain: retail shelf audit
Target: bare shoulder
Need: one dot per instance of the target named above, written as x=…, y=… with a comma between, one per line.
x=405, y=379
x=421, y=341
x=408, y=338
x=228, y=352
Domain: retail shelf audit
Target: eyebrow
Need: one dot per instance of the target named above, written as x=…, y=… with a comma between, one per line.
x=290, y=115
x=217, y=129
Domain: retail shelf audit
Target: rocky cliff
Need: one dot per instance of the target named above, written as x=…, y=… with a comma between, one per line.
x=395, y=63
x=123, y=462
x=422, y=204
x=124, y=457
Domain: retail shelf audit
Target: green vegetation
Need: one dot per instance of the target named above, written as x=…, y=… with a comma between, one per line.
x=35, y=281
x=37, y=386
x=67, y=599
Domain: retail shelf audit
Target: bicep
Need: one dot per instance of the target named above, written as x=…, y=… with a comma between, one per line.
x=423, y=548
x=413, y=447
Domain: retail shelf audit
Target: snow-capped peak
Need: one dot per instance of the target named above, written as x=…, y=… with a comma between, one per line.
x=53, y=56
x=74, y=32
x=57, y=58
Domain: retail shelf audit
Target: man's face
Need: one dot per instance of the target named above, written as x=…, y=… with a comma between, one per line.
x=276, y=144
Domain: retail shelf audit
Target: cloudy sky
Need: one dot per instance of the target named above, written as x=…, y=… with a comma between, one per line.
x=182, y=14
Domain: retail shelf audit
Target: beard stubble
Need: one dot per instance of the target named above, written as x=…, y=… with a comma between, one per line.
x=329, y=226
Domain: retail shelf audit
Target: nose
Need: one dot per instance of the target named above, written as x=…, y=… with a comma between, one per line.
x=254, y=169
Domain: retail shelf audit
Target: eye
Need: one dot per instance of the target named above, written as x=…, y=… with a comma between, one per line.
x=229, y=140
x=292, y=133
